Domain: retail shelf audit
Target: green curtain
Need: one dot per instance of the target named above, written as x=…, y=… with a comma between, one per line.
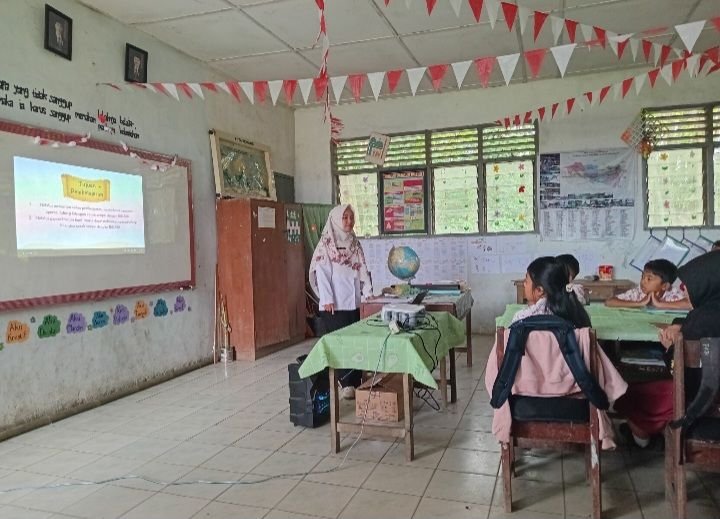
x=314, y=218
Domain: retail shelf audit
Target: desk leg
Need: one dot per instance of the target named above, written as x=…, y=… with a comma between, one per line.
x=453, y=378
x=408, y=384
x=444, y=381
x=468, y=337
x=334, y=412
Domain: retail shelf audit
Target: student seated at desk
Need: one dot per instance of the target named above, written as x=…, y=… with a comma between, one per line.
x=548, y=293
x=656, y=289
x=648, y=407
x=716, y=246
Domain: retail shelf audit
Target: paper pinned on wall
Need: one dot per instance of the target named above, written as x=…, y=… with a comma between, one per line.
x=645, y=253
x=671, y=250
x=266, y=217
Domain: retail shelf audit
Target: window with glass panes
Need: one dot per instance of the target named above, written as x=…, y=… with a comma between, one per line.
x=482, y=177
x=679, y=169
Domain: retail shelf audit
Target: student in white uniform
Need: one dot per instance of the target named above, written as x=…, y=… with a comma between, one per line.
x=340, y=278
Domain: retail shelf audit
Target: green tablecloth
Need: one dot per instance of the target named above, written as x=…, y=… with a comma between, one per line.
x=624, y=324
x=358, y=346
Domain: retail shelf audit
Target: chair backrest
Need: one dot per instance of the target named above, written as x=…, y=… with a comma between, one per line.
x=534, y=357
x=688, y=354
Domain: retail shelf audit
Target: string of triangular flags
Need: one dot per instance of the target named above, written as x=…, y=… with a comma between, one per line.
x=693, y=63
x=484, y=66
x=688, y=32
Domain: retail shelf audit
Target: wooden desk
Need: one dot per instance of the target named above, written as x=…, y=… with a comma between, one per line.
x=597, y=290
x=368, y=345
x=458, y=306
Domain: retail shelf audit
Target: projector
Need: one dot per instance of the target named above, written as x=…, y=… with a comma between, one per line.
x=405, y=314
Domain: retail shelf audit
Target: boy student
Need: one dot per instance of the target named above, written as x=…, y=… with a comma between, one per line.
x=716, y=246
x=655, y=289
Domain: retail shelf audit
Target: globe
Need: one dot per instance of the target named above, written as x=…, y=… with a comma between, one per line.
x=403, y=262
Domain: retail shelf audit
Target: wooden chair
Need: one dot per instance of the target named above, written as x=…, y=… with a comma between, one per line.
x=560, y=435
x=699, y=445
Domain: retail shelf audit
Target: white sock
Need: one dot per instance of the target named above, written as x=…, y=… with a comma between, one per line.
x=641, y=442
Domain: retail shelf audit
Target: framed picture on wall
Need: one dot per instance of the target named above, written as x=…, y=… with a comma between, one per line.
x=136, y=61
x=404, y=201
x=242, y=168
x=58, y=32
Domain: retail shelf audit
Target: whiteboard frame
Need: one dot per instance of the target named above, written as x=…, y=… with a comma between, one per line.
x=62, y=137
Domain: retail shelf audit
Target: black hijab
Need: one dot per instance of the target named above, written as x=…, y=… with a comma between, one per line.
x=701, y=277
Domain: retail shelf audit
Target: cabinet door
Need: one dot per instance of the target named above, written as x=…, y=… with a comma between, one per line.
x=295, y=261
x=269, y=273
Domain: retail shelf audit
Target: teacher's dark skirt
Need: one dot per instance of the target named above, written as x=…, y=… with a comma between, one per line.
x=333, y=322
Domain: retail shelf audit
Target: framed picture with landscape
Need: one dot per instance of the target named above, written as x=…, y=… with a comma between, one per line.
x=242, y=168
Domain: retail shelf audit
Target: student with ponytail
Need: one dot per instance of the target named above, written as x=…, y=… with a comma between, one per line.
x=548, y=291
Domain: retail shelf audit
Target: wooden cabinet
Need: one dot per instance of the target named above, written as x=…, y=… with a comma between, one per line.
x=261, y=274
x=597, y=290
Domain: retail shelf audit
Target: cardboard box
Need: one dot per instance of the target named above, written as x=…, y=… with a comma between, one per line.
x=386, y=399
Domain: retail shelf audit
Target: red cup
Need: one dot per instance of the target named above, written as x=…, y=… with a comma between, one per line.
x=606, y=272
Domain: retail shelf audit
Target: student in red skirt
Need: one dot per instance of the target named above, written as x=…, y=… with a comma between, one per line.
x=648, y=407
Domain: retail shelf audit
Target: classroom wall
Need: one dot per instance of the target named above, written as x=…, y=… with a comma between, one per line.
x=594, y=128
x=42, y=378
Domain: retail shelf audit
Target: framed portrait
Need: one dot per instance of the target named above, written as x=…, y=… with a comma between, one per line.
x=58, y=32
x=242, y=168
x=136, y=61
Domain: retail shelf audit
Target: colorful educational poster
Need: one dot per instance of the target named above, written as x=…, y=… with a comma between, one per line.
x=404, y=196
x=588, y=195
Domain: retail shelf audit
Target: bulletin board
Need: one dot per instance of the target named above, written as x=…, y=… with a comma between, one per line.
x=404, y=201
x=35, y=272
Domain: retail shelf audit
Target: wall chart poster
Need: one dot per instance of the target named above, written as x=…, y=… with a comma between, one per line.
x=404, y=197
x=588, y=195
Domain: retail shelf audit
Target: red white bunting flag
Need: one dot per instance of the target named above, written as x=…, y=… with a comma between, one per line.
x=260, y=89
x=587, y=32
x=562, y=54
x=338, y=85
x=554, y=110
x=571, y=27
x=357, y=81
x=484, y=67
x=647, y=47
x=541, y=113
x=185, y=89
x=492, y=7
x=289, y=86
x=437, y=73
x=509, y=13
x=667, y=74
x=430, y=5
x=171, y=90
x=415, y=75
x=305, y=87
x=634, y=44
x=692, y=65
x=626, y=84
x=570, y=103
x=247, y=87
x=664, y=54
x=460, y=70
x=603, y=93
x=507, y=65
x=523, y=17
x=652, y=76
x=538, y=22
x=535, y=60
x=210, y=86
x=476, y=7
x=677, y=67
x=621, y=45
x=639, y=82
x=556, y=24
x=393, y=79
x=275, y=87
x=716, y=22
x=197, y=89
x=601, y=36
x=376, y=80
x=456, y=4
x=320, y=86
x=690, y=32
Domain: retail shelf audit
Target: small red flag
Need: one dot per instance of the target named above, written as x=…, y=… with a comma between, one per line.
x=535, y=60
x=664, y=53
x=528, y=117
x=553, y=110
x=510, y=13
x=603, y=93
x=516, y=120
x=653, y=75
x=476, y=6
x=677, y=67
x=210, y=86
x=185, y=89
x=393, y=77
x=621, y=47
x=600, y=33
x=541, y=112
x=484, y=67
x=356, y=83
x=626, y=84
x=716, y=22
x=570, y=103
x=589, y=97
x=289, y=86
x=647, y=47
x=571, y=26
x=538, y=21
x=437, y=73
x=430, y=5
x=260, y=88
x=320, y=83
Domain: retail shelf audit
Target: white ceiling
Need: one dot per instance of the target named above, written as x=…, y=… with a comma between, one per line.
x=274, y=39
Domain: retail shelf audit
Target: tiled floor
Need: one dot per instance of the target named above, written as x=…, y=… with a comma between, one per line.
x=223, y=425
